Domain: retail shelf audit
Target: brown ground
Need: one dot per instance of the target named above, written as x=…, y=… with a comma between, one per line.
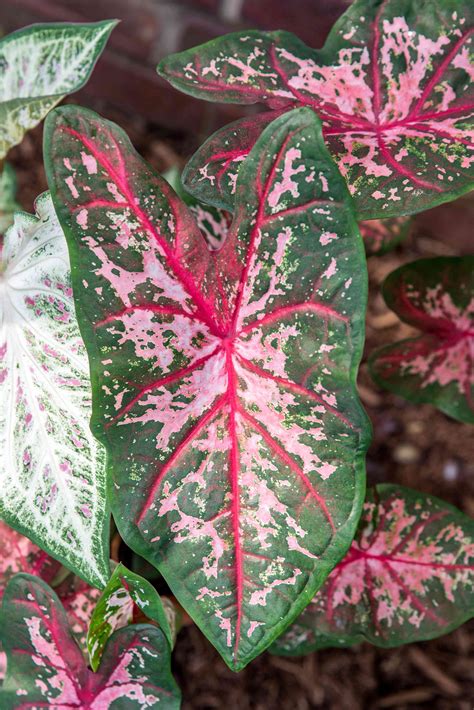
x=413, y=445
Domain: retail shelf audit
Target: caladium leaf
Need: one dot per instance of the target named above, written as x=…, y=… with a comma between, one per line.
x=224, y=380
x=382, y=235
x=379, y=235
x=8, y=203
x=45, y=666
x=19, y=554
x=214, y=223
x=125, y=596
x=39, y=66
x=436, y=296
x=52, y=469
x=408, y=576
x=79, y=600
x=392, y=86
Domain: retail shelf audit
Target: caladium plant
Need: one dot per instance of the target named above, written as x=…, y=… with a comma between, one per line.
x=223, y=379
x=45, y=667
x=126, y=597
x=408, y=576
x=39, y=66
x=392, y=86
x=52, y=470
x=437, y=297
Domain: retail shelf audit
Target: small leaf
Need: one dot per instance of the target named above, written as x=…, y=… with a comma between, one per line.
x=382, y=235
x=224, y=380
x=124, y=594
x=45, y=666
x=437, y=297
x=392, y=86
x=39, y=66
x=408, y=576
x=8, y=204
x=52, y=470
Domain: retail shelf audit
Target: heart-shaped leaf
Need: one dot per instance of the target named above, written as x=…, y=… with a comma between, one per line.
x=408, y=576
x=382, y=235
x=436, y=296
x=8, y=203
x=39, y=66
x=52, y=470
x=45, y=666
x=224, y=380
x=126, y=594
x=392, y=86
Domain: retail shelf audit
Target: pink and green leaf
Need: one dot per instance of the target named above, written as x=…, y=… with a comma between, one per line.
x=45, y=667
x=19, y=554
x=392, y=85
x=52, y=469
x=437, y=297
x=382, y=235
x=213, y=223
x=223, y=379
x=126, y=594
x=408, y=576
x=79, y=600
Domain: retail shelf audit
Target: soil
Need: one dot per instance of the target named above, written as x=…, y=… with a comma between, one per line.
x=413, y=445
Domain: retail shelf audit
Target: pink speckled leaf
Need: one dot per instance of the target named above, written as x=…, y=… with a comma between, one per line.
x=45, y=667
x=52, y=470
x=19, y=554
x=79, y=600
x=392, y=85
x=126, y=597
x=224, y=379
x=382, y=235
x=213, y=223
x=437, y=297
x=408, y=576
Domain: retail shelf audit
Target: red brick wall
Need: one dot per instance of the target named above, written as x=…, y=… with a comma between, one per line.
x=125, y=76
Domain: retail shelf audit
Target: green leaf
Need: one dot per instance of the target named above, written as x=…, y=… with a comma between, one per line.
x=392, y=85
x=8, y=203
x=408, y=576
x=39, y=66
x=223, y=380
x=124, y=594
x=45, y=666
x=52, y=469
x=437, y=297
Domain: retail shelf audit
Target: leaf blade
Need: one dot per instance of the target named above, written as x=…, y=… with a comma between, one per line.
x=52, y=469
x=44, y=664
x=437, y=297
x=40, y=65
x=202, y=446
x=409, y=576
x=391, y=85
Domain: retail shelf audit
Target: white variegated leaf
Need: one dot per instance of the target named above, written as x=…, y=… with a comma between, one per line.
x=39, y=65
x=52, y=470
